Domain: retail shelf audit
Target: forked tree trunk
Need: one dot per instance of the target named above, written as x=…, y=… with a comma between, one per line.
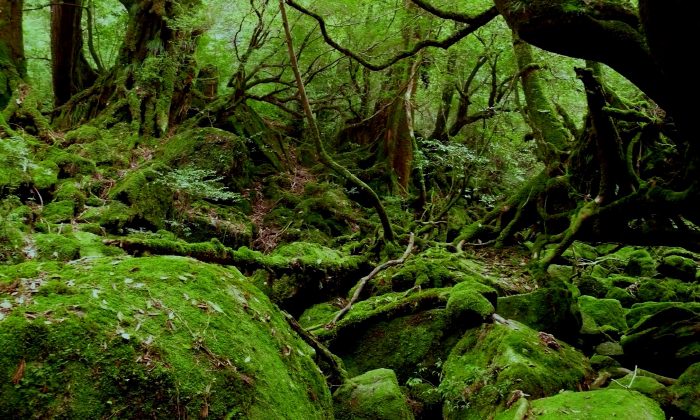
x=70, y=70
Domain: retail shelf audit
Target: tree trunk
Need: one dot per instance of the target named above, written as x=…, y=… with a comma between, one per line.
x=13, y=64
x=150, y=84
x=70, y=70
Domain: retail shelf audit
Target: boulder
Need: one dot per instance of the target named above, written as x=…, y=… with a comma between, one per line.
x=156, y=338
x=553, y=310
x=640, y=264
x=593, y=286
x=666, y=342
x=678, y=267
x=603, y=404
x=645, y=385
x=686, y=392
x=626, y=298
x=493, y=361
x=374, y=395
x=602, y=316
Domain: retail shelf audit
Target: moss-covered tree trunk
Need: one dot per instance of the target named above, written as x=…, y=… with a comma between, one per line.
x=150, y=84
x=70, y=70
x=13, y=65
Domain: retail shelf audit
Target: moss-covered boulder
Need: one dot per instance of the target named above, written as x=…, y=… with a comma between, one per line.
x=150, y=201
x=580, y=250
x=625, y=297
x=83, y=134
x=156, y=338
x=561, y=273
x=404, y=333
x=470, y=302
x=553, y=310
x=641, y=311
x=58, y=211
x=654, y=290
x=686, y=392
x=211, y=149
x=666, y=342
x=593, y=286
x=604, y=317
x=647, y=386
x=640, y=264
x=374, y=395
x=595, y=405
x=678, y=267
x=53, y=246
x=493, y=361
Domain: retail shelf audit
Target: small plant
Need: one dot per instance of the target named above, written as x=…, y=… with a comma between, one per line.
x=191, y=184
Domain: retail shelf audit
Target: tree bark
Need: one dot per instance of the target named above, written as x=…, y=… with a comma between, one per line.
x=70, y=70
x=13, y=64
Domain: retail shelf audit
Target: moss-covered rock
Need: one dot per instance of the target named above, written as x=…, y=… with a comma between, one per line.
x=210, y=149
x=320, y=314
x=561, y=273
x=580, y=250
x=374, y=395
x=69, y=192
x=492, y=361
x=553, y=310
x=640, y=264
x=58, y=211
x=45, y=174
x=626, y=298
x=602, y=316
x=593, y=286
x=57, y=247
x=641, y=311
x=83, y=134
x=160, y=338
x=151, y=202
x=654, y=290
x=594, y=405
x=610, y=349
x=470, y=301
x=678, y=267
x=645, y=385
x=665, y=342
x=69, y=164
x=686, y=392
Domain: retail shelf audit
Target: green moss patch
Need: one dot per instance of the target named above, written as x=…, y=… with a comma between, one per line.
x=373, y=396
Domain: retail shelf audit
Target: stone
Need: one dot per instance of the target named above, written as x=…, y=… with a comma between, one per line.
x=374, y=395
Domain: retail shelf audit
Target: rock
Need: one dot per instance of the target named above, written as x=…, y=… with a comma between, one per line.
x=150, y=338
x=610, y=349
x=678, y=268
x=374, y=395
x=406, y=334
x=666, y=342
x=686, y=392
x=600, y=362
x=58, y=211
x=625, y=298
x=605, y=249
x=561, y=273
x=580, y=250
x=604, y=404
x=654, y=290
x=640, y=264
x=681, y=253
x=494, y=360
x=426, y=401
x=471, y=302
x=593, y=286
x=52, y=246
x=645, y=385
x=602, y=316
x=553, y=310
x=642, y=311
x=623, y=282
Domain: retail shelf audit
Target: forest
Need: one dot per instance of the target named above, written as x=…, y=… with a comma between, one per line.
x=349, y=210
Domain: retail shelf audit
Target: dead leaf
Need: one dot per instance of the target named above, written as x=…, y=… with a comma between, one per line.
x=19, y=373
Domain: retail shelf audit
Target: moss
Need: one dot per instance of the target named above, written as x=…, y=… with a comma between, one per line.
x=45, y=174
x=560, y=273
x=641, y=311
x=374, y=395
x=600, y=362
x=210, y=149
x=58, y=211
x=320, y=314
x=69, y=192
x=678, y=267
x=149, y=201
x=596, y=314
x=605, y=249
x=470, y=300
x=553, y=310
x=593, y=286
x=646, y=386
x=494, y=360
x=57, y=247
x=687, y=391
x=680, y=252
x=594, y=405
x=69, y=164
x=581, y=250
x=426, y=401
x=656, y=291
x=91, y=246
x=640, y=264
x=115, y=216
x=159, y=338
x=83, y=134
x=625, y=298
